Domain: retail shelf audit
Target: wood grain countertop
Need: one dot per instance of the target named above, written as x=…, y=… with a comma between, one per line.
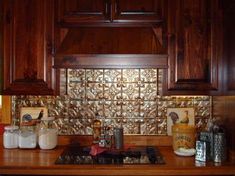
x=41, y=162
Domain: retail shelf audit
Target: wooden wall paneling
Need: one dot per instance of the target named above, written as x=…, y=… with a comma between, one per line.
x=104, y=40
x=222, y=108
x=6, y=110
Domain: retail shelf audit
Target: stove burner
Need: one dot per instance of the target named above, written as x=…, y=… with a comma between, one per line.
x=137, y=155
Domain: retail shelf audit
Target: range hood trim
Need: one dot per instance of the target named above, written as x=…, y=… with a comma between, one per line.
x=112, y=61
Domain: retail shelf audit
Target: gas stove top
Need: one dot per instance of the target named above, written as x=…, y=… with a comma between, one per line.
x=134, y=155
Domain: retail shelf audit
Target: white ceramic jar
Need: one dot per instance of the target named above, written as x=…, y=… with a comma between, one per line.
x=47, y=134
x=10, y=137
x=27, y=137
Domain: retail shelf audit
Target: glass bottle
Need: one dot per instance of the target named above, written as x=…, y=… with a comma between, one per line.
x=47, y=134
x=10, y=137
x=27, y=137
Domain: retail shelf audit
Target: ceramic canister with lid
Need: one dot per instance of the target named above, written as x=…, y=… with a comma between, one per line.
x=183, y=136
x=47, y=134
x=10, y=137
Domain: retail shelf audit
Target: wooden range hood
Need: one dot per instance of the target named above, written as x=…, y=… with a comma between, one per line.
x=112, y=47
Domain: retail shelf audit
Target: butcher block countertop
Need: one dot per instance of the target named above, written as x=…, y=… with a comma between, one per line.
x=41, y=162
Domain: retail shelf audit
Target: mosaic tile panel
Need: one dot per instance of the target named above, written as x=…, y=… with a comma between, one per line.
x=118, y=97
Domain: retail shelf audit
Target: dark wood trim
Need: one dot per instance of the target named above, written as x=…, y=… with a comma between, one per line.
x=23, y=87
x=113, y=24
x=111, y=61
x=1, y=46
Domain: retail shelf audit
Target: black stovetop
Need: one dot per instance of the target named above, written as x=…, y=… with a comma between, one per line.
x=133, y=155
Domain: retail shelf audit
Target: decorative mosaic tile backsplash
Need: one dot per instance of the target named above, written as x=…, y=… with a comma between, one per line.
x=127, y=97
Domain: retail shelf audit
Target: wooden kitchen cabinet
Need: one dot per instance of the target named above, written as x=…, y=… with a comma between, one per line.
x=109, y=12
x=27, y=47
x=194, y=47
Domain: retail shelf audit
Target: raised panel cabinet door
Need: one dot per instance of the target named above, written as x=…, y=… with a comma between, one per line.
x=82, y=11
x=229, y=47
x=137, y=11
x=27, y=47
x=194, y=45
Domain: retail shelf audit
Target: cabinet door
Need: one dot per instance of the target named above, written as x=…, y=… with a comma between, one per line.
x=137, y=11
x=82, y=11
x=194, y=45
x=229, y=47
x=27, y=47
